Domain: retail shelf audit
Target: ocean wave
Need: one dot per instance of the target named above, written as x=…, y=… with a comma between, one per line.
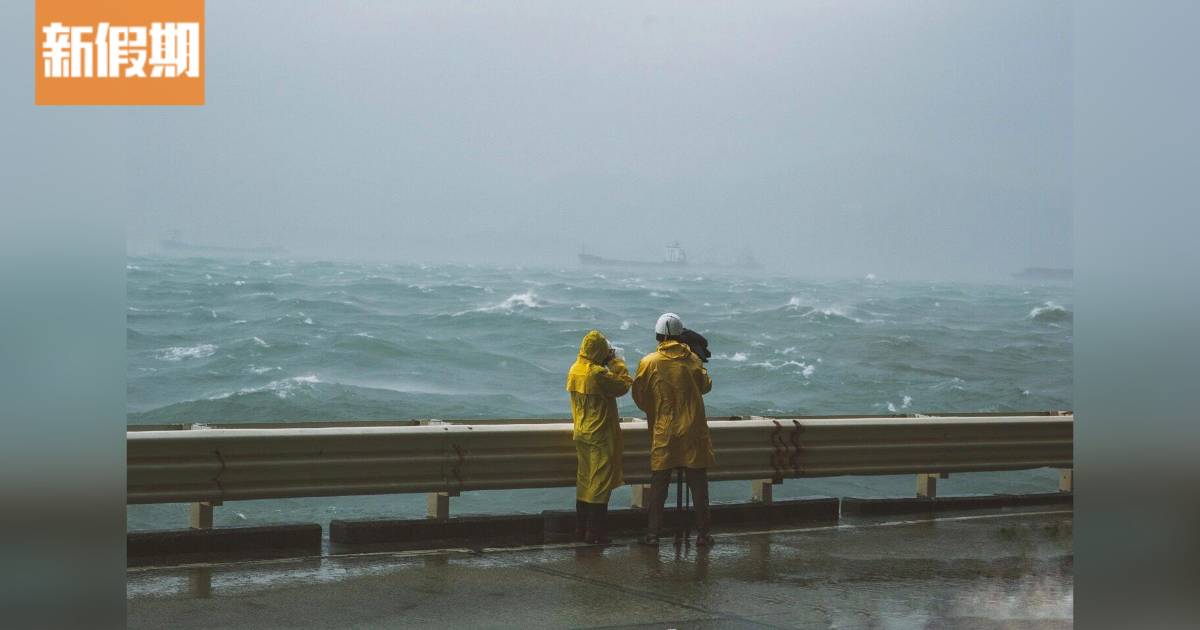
x=830, y=313
x=282, y=388
x=411, y=346
x=905, y=403
x=528, y=299
x=179, y=353
x=362, y=346
x=254, y=369
x=804, y=369
x=1050, y=312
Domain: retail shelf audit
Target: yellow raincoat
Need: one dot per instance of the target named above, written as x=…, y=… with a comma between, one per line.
x=594, y=389
x=670, y=387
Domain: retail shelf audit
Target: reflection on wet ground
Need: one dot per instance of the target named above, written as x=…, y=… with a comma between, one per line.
x=982, y=570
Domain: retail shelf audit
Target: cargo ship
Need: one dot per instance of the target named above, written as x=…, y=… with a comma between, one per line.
x=675, y=257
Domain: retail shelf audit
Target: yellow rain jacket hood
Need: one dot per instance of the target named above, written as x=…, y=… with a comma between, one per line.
x=670, y=387
x=594, y=387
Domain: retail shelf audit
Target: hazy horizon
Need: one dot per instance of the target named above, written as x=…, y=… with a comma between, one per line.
x=905, y=141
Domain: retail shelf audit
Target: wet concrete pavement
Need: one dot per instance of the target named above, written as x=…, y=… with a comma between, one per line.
x=997, y=570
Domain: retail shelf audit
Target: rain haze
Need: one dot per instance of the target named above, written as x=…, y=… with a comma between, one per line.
x=830, y=139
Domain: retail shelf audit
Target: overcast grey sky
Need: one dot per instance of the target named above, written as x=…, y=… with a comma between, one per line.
x=904, y=139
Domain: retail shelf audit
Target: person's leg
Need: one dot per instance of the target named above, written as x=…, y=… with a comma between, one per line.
x=597, y=532
x=697, y=480
x=581, y=519
x=583, y=466
x=660, y=480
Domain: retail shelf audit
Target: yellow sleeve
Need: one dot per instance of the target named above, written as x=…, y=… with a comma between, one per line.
x=704, y=381
x=641, y=390
x=615, y=381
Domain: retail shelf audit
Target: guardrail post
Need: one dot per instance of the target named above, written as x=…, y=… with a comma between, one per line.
x=641, y=495
x=201, y=514
x=437, y=504
x=761, y=490
x=927, y=485
x=1066, y=480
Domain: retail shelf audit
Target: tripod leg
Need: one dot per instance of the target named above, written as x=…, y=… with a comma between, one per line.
x=687, y=505
x=678, y=504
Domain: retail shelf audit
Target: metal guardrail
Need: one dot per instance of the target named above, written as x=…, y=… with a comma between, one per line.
x=210, y=466
x=416, y=422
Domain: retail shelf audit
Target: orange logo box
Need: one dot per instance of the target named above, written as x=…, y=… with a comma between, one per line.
x=119, y=52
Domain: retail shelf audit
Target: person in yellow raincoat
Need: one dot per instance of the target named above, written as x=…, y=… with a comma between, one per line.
x=595, y=381
x=670, y=387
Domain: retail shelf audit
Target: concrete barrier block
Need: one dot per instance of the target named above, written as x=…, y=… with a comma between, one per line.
x=270, y=540
x=526, y=529
x=560, y=524
x=852, y=506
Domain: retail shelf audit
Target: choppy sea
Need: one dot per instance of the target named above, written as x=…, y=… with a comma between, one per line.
x=226, y=340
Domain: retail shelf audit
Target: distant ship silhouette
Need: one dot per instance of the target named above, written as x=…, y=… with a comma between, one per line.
x=675, y=257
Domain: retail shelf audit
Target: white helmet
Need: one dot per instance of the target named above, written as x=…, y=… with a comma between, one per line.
x=668, y=324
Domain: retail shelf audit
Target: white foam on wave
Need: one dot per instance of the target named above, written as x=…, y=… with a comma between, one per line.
x=179, y=353
x=795, y=304
x=1050, y=312
x=282, y=388
x=905, y=403
x=263, y=370
x=260, y=343
x=804, y=369
x=528, y=299
x=832, y=311
x=771, y=365
x=736, y=357
x=955, y=383
x=625, y=324
x=239, y=283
